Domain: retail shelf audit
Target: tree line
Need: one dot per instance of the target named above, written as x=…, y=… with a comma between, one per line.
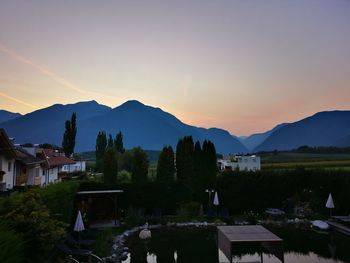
x=111, y=158
x=193, y=164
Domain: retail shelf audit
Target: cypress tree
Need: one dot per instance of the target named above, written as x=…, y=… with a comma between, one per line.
x=166, y=165
x=118, y=142
x=209, y=164
x=139, y=169
x=198, y=167
x=101, y=145
x=73, y=132
x=68, y=143
x=185, y=159
x=110, y=141
x=110, y=166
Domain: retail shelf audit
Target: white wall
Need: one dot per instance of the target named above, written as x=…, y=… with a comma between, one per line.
x=51, y=176
x=9, y=175
x=78, y=166
x=242, y=163
x=34, y=172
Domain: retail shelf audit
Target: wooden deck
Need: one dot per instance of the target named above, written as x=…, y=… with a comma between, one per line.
x=228, y=235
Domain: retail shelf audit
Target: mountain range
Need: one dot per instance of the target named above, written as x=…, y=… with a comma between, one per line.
x=328, y=128
x=142, y=125
x=254, y=140
x=7, y=115
x=152, y=128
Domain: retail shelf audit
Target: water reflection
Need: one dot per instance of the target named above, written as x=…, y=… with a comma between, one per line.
x=199, y=245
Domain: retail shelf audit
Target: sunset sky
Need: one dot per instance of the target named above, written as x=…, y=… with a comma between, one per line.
x=244, y=66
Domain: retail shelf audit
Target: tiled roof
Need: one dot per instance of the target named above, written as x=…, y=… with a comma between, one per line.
x=6, y=146
x=59, y=160
x=23, y=156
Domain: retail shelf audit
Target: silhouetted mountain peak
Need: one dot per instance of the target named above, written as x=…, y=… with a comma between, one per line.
x=142, y=125
x=326, y=128
x=132, y=104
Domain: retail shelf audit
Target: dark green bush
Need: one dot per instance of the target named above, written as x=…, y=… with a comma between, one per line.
x=59, y=198
x=11, y=245
x=28, y=216
x=189, y=210
x=134, y=217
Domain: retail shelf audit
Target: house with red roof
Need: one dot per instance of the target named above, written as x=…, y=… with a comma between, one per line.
x=55, y=160
x=29, y=165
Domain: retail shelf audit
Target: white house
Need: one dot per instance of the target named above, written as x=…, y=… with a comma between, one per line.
x=240, y=163
x=55, y=162
x=29, y=167
x=78, y=166
x=20, y=166
x=7, y=162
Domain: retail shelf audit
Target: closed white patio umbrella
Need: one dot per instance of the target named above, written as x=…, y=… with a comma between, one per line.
x=216, y=199
x=330, y=203
x=79, y=224
x=216, y=202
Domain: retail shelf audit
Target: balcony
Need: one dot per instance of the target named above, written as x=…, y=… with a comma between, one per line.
x=37, y=180
x=21, y=180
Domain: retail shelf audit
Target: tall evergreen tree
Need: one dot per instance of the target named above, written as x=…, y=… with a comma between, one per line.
x=166, y=165
x=110, y=166
x=101, y=145
x=185, y=159
x=198, y=167
x=209, y=164
x=68, y=143
x=118, y=143
x=110, y=142
x=139, y=169
x=65, y=142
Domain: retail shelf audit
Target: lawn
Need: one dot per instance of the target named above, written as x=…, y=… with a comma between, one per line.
x=306, y=160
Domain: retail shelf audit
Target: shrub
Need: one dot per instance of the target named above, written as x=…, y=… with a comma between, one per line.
x=124, y=177
x=27, y=214
x=189, y=210
x=59, y=199
x=11, y=245
x=134, y=217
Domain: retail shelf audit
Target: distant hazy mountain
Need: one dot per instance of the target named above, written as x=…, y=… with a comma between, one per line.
x=145, y=126
x=343, y=142
x=7, y=115
x=47, y=125
x=152, y=128
x=252, y=141
x=330, y=128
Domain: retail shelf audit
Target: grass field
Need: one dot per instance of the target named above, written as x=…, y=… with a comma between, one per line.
x=290, y=160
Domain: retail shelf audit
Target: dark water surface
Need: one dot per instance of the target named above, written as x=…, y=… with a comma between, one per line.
x=194, y=245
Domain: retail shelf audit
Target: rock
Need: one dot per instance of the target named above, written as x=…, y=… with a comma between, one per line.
x=145, y=234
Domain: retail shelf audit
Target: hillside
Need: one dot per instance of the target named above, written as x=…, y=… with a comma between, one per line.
x=7, y=115
x=329, y=128
x=142, y=125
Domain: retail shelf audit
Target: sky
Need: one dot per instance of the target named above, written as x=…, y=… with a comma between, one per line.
x=244, y=66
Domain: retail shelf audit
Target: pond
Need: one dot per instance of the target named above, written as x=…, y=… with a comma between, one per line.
x=197, y=245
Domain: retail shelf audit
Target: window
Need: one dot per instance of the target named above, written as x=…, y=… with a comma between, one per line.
x=51, y=171
x=9, y=166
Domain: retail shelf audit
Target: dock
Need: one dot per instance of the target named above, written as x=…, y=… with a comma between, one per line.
x=230, y=235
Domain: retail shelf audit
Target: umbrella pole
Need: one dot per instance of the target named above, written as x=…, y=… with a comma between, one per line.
x=79, y=239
